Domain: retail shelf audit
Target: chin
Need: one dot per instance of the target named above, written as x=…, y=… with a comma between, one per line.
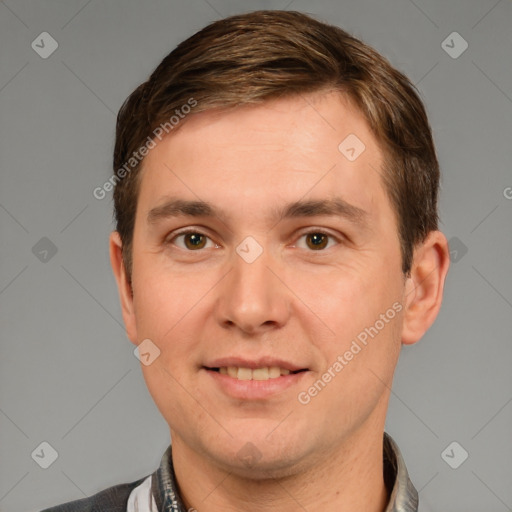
x=264, y=469
x=259, y=458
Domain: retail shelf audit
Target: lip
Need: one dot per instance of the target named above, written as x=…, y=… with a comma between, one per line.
x=252, y=390
x=261, y=362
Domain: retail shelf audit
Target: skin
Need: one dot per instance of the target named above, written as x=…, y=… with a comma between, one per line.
x=294, y=302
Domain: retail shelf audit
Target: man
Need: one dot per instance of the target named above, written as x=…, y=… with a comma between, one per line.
x=276, y=202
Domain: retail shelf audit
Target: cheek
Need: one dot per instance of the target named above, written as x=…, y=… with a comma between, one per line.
x=161, y=301
x=168, y=319
x=341, y=303
x=169, y=310
x=164, y=383
x=357, y=316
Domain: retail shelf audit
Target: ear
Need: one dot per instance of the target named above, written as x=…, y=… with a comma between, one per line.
x=123, y=286
x=424, y=287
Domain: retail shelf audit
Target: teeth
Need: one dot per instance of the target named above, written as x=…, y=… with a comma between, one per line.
x=258, y=374
x=244, y=374
x=265, y=373
x=274, y=372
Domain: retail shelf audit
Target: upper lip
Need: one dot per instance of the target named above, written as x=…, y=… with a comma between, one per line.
x=262, y=362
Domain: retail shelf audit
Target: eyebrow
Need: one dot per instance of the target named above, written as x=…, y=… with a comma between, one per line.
x=335, y=207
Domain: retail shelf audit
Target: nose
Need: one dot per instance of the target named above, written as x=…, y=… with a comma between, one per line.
x=252, y=296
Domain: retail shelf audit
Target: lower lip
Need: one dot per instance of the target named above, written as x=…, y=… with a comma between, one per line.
x=254, y=389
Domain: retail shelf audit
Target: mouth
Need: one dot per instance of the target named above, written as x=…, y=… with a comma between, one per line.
x=261, y=374
x=259, y=379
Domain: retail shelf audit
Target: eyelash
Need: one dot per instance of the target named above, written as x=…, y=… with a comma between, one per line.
x=197, y=232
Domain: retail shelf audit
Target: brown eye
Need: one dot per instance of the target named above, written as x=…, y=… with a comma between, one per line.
x=191, y=240
x=194, y=240
x=317, y=241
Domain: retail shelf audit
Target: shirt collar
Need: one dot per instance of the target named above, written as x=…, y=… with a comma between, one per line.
x=403, y=495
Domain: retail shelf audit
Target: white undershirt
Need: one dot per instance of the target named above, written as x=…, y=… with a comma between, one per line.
x=141, y=498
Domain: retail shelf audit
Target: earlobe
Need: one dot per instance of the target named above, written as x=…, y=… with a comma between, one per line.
x=123, y=285
x=423, y=292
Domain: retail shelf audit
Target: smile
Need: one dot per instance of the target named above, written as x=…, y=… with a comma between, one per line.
x=264, y=373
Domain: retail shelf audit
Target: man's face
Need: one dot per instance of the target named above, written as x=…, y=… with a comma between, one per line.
x=251, y=290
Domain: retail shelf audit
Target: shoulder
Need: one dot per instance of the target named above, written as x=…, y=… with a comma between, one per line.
x=112, y=499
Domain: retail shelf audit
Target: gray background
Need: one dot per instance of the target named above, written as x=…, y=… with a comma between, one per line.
x=68, y=375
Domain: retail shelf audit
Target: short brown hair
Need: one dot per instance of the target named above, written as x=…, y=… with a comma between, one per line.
x=263, y=55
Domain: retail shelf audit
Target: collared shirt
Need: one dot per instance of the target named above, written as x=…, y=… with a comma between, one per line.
x=158, y=492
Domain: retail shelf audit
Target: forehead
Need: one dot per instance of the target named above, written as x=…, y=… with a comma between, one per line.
x=303, y=126
x=317, y=145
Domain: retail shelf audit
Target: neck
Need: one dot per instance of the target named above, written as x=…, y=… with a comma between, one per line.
x=349, y=477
